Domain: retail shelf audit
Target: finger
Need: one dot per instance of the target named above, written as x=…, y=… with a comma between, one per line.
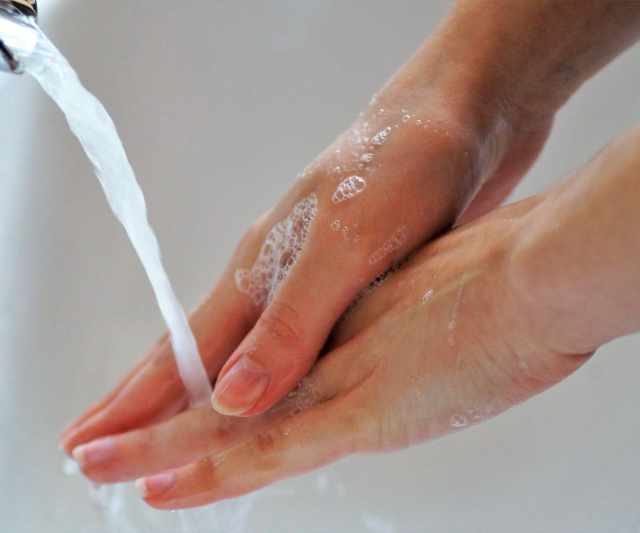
x=183, y=439
x=297, y=444
x=154, y=390
x=282, y=346
x=198, y=432
x=332, y=266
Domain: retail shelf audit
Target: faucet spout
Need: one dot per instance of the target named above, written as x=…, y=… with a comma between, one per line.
x=18, y=35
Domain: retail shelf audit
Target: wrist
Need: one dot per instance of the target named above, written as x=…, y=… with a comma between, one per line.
x=574, y=261
x=457, y=104
x=528, y=58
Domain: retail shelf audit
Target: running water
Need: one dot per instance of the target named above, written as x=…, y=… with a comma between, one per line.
x=122, y=510
x=92, y=125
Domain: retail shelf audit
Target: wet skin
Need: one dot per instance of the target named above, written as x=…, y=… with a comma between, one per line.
x=503, y=323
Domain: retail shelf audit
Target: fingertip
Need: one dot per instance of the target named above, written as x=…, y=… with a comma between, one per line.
x=155, y=486
x=72, y=441
x=90, y=411
x=241, y=388
x=77, y=454
x=141, y=487
x=66, y=441
x=66, y=444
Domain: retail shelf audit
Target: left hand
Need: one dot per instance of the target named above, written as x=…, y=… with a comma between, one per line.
x=444, y=343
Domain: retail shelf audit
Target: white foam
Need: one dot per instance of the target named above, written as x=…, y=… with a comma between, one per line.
x=348, y=188
x=381, y=137
x=279, y=252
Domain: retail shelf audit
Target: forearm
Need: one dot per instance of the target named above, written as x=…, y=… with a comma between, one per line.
x=578, y=255
x=531, y=55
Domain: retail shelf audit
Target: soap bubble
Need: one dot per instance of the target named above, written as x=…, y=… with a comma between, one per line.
x=347, y=189
x=279, y=253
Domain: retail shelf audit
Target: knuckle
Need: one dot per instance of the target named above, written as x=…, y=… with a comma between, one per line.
x=269, y=446
x=207, y=469
x=281, y=321
x=265, y=443
x=221, y=435
x=271, y=440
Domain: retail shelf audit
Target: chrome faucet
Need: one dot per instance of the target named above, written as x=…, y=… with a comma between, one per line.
x=18, y=35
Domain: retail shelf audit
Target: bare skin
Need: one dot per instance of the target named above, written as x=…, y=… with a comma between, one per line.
x=461, y=319
x=502, y=323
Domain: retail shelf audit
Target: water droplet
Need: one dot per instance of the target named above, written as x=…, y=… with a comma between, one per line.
x=427, y=296
x=70, y=467
x=459, y=421
x=381, y=137
x=349, y=188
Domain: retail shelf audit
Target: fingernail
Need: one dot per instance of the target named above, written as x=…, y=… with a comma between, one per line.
x=95, y=452
x=156, y=485
x=240, y=388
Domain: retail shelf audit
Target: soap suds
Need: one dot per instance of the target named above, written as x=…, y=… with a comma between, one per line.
x=279, y=252
x=348, y=188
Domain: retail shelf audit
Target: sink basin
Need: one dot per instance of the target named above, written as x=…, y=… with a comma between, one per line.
x=220, y=104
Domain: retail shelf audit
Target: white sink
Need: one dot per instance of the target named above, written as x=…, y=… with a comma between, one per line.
x=220, y=104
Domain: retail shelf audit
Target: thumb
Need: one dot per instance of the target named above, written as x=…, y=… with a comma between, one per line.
x=283, y=344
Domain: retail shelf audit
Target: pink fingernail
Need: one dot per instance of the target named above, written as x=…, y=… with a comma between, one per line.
x=240, y=388
x=95, y=452
x=156, y=485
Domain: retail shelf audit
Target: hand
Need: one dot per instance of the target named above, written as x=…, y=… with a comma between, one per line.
x=418, y=157
x=479, y=112
x=476, y=322
x=445, y=342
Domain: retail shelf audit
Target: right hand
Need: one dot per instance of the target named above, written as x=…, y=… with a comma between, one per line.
x=420, y=178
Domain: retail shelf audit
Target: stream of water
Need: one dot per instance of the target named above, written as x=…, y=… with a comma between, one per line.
x=92, y=125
